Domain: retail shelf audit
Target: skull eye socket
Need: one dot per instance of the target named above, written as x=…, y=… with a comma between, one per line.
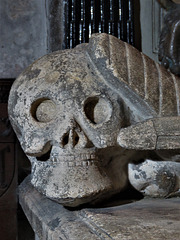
x=97, y=110
x=43, y=110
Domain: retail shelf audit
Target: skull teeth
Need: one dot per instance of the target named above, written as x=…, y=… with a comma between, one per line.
x=84, y=160
x=75, y=161
x=83, y=163
x=80, y=157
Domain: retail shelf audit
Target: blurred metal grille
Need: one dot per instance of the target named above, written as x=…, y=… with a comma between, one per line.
x=84, y=17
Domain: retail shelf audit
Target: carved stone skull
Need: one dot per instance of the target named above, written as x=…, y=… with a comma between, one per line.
x=67, y=121
x=82, y=115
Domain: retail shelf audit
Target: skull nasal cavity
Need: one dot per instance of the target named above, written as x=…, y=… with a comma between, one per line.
x=70, y=138
x=75, y=138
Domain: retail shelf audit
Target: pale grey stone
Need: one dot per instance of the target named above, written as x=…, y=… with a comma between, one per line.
x=154, y=134
x=71, y=108
x=156, y=179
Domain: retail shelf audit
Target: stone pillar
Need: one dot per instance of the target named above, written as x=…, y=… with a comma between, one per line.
x=29, y=29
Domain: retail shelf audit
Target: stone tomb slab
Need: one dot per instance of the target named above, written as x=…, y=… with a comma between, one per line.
x=144, y=219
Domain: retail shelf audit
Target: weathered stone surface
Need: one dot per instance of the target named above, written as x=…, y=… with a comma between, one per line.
x=153, y=219
x=69, y=107
x=154, y=134
x=156, y=179
x=140, y=136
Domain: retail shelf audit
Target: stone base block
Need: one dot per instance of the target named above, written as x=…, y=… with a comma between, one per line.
x=144, y=219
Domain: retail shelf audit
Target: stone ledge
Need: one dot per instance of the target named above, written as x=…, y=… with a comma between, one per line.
x=144, y=219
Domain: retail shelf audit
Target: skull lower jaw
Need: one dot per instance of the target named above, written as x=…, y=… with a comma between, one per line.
x=71, y=186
